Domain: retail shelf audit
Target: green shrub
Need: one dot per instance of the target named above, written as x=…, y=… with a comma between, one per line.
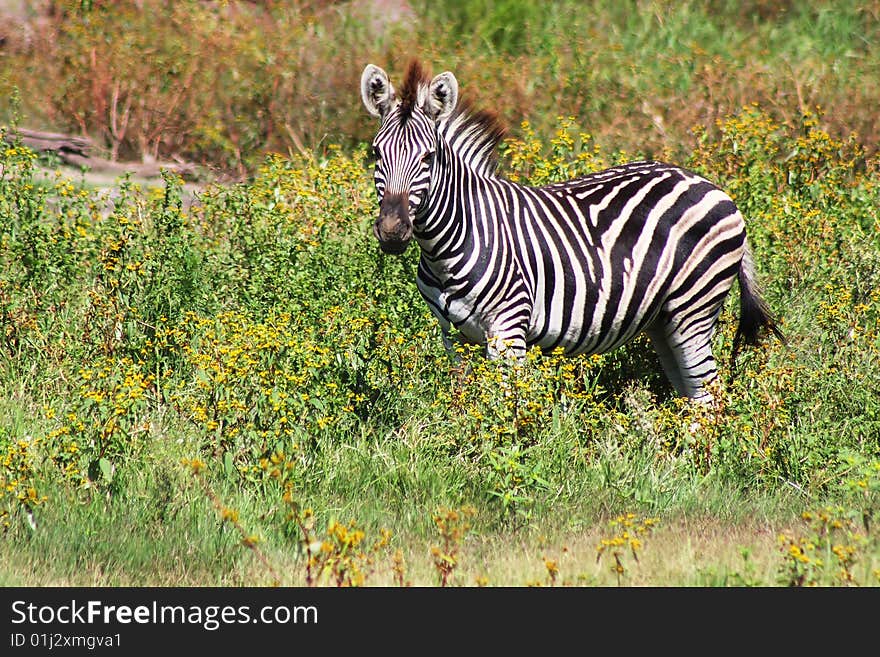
x=258, y=330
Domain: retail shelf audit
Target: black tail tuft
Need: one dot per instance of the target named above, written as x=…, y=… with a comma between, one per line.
x=753, y=312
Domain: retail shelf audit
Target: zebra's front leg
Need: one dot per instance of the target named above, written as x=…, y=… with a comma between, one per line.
x=449, y=345
x=510, y=348
x=508, y=344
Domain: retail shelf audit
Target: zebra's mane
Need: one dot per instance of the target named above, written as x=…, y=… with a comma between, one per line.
x=478, y=132
x=415, y=78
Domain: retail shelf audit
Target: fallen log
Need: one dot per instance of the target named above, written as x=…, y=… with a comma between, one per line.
x=75, y=151
x=56, y=142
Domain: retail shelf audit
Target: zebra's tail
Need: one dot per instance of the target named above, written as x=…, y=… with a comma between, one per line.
x=753, y=312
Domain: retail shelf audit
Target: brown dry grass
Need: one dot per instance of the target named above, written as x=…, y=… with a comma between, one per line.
x=225, y=83
x=687, y=552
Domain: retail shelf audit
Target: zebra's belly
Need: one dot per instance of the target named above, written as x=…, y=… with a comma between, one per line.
x=588, y=330
x=576, y=330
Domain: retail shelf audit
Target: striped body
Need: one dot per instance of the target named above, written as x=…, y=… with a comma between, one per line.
x=585, y=265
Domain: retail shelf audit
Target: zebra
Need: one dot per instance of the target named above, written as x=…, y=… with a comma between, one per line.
x=583, y=265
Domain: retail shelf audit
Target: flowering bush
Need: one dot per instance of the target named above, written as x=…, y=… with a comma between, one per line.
x=257, y=330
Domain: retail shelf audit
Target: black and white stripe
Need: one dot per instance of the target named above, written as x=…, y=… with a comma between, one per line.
x=583, y=265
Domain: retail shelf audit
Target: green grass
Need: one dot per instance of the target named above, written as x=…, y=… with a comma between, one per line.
x=198, y=396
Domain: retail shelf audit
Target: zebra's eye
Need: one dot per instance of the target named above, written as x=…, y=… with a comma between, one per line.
x=377, y=154
x=428, y=157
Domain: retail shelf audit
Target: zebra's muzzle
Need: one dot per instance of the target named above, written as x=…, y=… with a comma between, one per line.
x=393, y=228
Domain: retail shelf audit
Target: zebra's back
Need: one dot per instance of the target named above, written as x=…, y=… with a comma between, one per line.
x=607, y=255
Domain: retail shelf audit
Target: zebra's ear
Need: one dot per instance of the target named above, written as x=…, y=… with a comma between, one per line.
x=376, y=91
x=442, y=96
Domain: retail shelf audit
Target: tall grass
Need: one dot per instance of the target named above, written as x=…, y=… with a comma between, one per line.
x=244, y=390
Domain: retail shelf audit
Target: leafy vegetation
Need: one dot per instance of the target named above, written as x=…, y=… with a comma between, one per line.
x=237, y=387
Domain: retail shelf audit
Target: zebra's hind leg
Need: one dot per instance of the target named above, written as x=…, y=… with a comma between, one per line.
x=686, y=356
x=667, y=358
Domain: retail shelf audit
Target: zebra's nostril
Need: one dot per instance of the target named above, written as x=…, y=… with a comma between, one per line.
x=393, y=247
x=393, y=232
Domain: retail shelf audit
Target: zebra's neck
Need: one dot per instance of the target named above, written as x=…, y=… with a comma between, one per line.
x=462, y=211
x=465, y=201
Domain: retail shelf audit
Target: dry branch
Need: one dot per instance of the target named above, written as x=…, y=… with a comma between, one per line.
x=75, y=151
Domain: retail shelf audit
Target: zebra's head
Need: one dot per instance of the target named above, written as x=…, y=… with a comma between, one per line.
x=405, y=146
